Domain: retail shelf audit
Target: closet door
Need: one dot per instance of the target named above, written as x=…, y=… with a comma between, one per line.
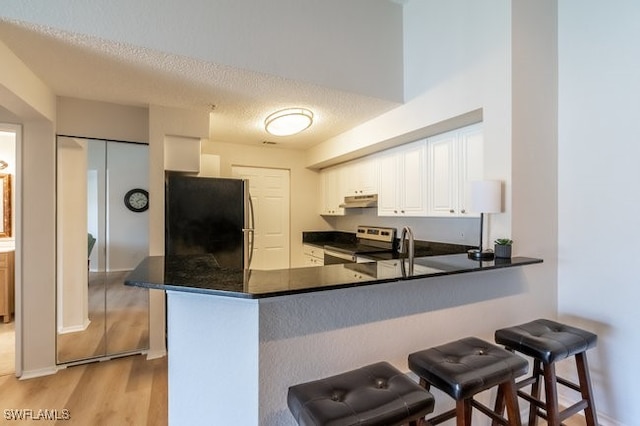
x=127, y=244
x=99, y=241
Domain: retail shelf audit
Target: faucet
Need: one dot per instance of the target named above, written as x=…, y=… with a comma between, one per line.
x=410, y=250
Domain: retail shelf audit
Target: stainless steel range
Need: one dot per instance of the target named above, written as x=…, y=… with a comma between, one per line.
x=372, y=242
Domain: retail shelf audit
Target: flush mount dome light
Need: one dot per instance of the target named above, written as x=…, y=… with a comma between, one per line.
x=287, y=122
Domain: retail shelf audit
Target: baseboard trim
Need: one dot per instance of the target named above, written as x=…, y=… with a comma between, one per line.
x=156, y=354
x=32, y=374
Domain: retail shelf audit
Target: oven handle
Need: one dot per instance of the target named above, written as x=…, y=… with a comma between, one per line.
x=340, y=255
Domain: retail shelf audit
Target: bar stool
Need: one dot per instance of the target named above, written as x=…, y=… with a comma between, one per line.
x=466, y=367
x=547, y=342
x=374, y=395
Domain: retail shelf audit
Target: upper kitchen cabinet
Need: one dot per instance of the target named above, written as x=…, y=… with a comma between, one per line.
x=333, y=190
x=454, y=159
x=182, y=154
x=403, y=184
x=362, y=176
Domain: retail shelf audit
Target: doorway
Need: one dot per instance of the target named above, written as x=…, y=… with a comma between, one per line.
x=269, y=189
x=9, y=135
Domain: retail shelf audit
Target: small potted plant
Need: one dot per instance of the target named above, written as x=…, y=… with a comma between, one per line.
x=502, y=248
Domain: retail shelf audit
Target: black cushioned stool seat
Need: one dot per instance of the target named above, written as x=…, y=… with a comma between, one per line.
x=466, y=367
x=547, y=342
x=375, y=395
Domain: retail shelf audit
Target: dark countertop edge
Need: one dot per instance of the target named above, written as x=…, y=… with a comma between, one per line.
x=198, y=290
x=257, y=296
x=521, y=261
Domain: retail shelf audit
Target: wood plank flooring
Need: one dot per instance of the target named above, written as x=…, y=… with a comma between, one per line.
x=125, y=391
x=7, y=348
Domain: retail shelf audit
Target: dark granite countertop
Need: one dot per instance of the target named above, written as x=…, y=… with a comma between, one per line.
x=422, y=248
x=202, y=274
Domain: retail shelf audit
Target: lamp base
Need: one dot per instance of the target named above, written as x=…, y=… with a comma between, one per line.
x=476, y=254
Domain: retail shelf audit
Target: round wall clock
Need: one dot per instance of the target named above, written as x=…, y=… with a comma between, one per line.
x=137, y=200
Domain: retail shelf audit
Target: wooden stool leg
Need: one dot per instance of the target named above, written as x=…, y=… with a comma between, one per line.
x=551, y=394
x=535, y=392
x=585, y=389
x=499, y=406
x=425, y=384
x=510, y=392
x=463, y=412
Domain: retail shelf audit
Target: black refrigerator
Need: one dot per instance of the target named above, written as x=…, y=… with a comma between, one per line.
x=209, y=216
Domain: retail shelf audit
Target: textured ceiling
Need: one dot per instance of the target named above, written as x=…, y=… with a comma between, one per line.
x=87, y=67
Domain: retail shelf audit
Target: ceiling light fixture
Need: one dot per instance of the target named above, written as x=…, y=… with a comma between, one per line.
x=289, y=121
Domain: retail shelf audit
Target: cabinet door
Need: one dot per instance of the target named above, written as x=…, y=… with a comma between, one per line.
x=413, y=180
x=361, y=176
x=388, y=195
x=471, y=168
x=332, y=191
x=455, y=159
x=442, y=175
x=5, y=309
x=182, y=154
x=402, y=183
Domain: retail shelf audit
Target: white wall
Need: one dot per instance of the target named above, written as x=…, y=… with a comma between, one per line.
x=32, y=104
x=102, y=120
x=599, y=106
x=36, y=251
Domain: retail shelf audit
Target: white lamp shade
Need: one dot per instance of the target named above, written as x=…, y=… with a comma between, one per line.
x=486, y=196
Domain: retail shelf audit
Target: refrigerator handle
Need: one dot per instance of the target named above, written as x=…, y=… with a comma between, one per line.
x=251, y=230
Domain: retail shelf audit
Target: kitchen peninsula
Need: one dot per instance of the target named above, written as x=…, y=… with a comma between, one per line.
x=238, y=339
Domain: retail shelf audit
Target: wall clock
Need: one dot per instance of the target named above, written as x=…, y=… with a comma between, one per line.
x=137, y=200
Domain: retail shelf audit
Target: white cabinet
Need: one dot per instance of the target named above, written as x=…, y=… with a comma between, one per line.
x=182, y=154
x=362, y=176
x=454, y=159
x=313, y=255
x=332, y=191
x=403, y=181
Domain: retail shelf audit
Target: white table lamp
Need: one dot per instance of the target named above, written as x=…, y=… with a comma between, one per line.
x=486, y=197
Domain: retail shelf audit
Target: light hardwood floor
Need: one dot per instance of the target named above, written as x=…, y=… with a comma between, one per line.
x=7, y=348
x=124, y=391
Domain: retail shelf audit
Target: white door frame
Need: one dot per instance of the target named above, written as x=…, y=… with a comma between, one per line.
x=16, y=229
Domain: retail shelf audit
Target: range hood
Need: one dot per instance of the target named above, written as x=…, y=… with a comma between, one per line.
x=360, y=201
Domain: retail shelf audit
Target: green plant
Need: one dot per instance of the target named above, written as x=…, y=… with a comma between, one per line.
x=503, y=241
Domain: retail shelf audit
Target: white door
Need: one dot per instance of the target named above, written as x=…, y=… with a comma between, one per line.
x=269, y=190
